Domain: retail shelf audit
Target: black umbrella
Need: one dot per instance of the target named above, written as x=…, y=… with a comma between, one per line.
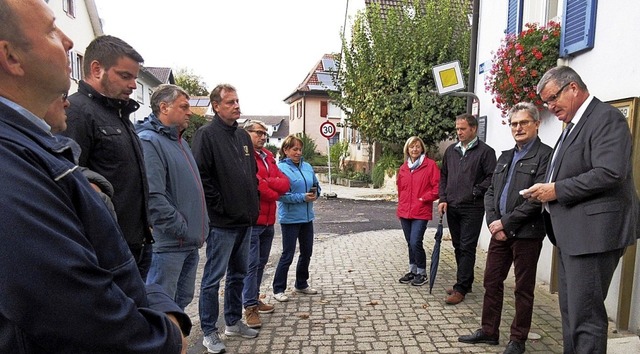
x=435, y=256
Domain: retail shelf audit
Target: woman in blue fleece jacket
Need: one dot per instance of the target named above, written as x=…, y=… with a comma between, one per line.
x=295, y=213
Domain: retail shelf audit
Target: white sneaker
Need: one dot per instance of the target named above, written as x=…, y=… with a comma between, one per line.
x=213, y=343
x=308, y=290
x=281, y=297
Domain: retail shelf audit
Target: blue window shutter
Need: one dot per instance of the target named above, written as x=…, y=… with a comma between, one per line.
x=514, y=17
x=578, y=27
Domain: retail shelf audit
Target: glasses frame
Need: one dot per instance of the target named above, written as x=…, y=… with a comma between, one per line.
x=523, y=123
x=260, y=133
x=553, y=99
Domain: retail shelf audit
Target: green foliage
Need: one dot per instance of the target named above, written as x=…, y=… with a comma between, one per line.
x=195, y=122
x=191, y=82
x=385, y=78
x=388, y=164
x=318, y=160
x=272, y=148
x=308, y=147
x=337, y=151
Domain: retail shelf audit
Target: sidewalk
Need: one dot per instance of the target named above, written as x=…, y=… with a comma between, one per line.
x=362, y=308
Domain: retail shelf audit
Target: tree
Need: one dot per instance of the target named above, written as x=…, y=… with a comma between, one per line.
x=191, y=83
x=385, y=79
x=195, y=122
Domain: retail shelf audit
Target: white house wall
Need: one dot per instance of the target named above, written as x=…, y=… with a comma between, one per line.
x=610, y=70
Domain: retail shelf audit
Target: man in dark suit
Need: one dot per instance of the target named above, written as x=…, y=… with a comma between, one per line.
x=590, y=204
x=517, y=230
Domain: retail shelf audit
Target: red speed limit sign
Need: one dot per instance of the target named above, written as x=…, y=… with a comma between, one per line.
x=327, y=129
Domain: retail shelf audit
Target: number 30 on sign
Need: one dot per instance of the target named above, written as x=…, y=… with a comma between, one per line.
x=327, y=129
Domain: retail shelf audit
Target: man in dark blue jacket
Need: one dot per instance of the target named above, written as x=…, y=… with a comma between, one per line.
x=517, y=230
x=68, y=282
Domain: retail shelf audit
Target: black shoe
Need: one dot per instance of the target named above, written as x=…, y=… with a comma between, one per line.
x=419, y=280
x=514, y=348
x=478, y=337
x=407, y=278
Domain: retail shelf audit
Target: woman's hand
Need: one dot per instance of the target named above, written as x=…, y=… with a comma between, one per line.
x=310, y=197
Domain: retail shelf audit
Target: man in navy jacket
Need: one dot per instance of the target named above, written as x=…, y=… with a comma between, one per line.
x=68, y=282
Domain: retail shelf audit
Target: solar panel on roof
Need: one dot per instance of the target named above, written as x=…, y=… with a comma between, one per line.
x=328, y=64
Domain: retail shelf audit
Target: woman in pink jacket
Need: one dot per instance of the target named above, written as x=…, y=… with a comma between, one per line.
x=417, y=181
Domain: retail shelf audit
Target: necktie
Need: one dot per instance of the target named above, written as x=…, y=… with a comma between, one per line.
x=565, y=132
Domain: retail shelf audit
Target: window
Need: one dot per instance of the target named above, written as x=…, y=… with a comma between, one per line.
x=323, y=109
x=299, y=109
x=139, y=92
x=292, y=112
x=76, y=61
x=69, y=7
x=578, y=26
x=521, y=12
x=334, y=110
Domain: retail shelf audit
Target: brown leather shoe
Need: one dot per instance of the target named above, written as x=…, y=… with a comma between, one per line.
x=252, y=317
x=449, y=291
x=265, y=308
x=455, y=298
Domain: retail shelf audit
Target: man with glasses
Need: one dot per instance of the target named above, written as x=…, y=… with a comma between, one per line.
x=590, y=203
x=517, y=230
x=272, y=183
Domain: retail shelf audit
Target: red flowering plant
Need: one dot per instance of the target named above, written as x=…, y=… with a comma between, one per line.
x=519, y=64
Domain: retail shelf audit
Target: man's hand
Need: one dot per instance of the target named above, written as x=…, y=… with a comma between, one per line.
x=496, y=226
x=500, y=236
x=542, y=192
x=442, y=208
x=184, y=339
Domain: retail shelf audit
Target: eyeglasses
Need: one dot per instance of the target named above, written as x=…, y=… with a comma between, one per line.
x=555, y=97
x=65, y=95
x=260, y=133
x=523, y=123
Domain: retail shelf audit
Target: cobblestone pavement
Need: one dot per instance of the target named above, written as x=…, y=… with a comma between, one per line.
x=362, y=308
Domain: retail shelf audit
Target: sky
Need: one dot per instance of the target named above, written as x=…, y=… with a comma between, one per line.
x=263, y=48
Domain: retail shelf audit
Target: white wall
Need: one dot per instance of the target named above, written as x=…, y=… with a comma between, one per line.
x=610, y=70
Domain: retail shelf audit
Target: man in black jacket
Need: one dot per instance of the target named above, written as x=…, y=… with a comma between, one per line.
x=225, y=157
x=465, y=176
x=98, y=120
x=517, y=230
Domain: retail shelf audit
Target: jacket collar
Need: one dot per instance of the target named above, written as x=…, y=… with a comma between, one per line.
x=153, y=123
x=126, y=107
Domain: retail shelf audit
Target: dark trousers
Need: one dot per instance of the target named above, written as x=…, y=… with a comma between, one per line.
x=583, y=285
x=524, y=254
x=292, y=234
x=142, y=255
x=464, y=226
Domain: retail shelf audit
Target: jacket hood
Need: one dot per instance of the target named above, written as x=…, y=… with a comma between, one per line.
x=154, y=124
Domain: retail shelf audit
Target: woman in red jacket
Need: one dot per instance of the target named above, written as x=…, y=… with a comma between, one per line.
x=272, y=183
x=417, y=181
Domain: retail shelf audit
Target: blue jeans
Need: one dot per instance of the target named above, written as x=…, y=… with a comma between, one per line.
x=176, y=273
x=414, y=230
x=261, y=240
x=227, y=251
x=291, y=234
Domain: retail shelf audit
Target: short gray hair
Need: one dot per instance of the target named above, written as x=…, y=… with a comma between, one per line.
x=166, y=93
x=250, y=125
x=10, y=26
x=529, y=107
x=561, y=75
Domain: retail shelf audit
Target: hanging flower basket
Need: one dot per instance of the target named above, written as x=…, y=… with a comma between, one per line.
x=519, y=64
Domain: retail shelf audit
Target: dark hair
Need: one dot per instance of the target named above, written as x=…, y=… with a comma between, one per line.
x=216, y=93
x=107, y=50
x=289, y=142
x=166, y=93
x=561, y=75
x=470, y=118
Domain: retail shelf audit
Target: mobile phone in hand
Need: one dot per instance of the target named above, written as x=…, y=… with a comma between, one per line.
x=313, y=190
